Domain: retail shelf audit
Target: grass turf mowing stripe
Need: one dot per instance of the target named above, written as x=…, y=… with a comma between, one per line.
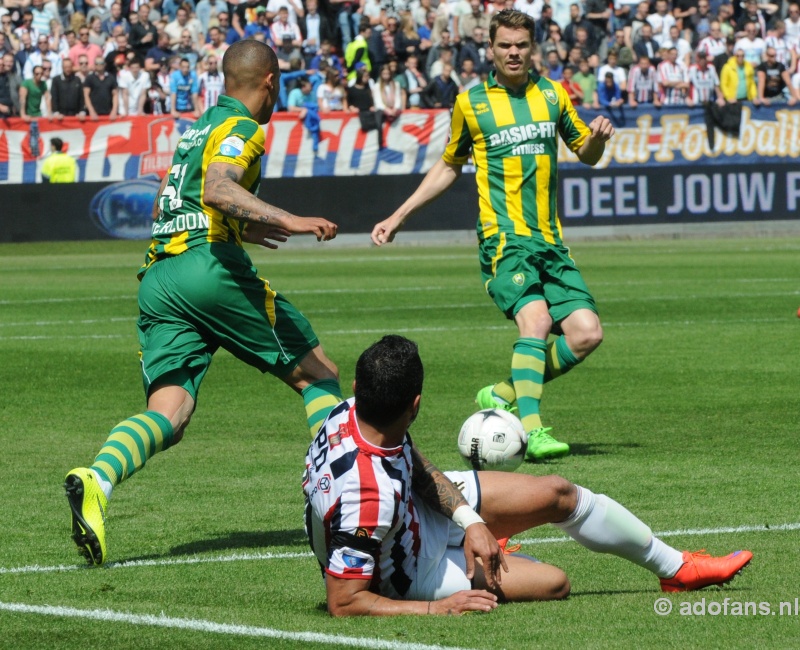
x=198, y=625
x=239, y=557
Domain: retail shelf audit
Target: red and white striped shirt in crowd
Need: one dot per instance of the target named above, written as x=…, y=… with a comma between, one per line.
x=642, y=85
x=704, y=82
x=360, y=514
x=668, y=71
x=711, y=46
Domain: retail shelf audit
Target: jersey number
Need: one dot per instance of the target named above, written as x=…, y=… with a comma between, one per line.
x=178, y=172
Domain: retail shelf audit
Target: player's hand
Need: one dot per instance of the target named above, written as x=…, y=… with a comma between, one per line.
x=601, y=129
x=265, y=234
x=385, y=231
x=473, y=600
x=479, y=542
x=322, y=229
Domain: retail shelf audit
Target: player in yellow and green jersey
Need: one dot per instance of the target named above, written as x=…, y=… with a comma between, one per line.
x=511, y=125
x=199, y=289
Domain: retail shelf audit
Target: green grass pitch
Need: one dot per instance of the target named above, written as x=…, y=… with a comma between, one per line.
x=687, y=414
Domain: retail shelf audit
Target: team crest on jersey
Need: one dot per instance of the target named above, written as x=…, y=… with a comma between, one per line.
x=481, y=108
x=518, y=279
x=353, y=561
x=550, y=96
x=231, y=147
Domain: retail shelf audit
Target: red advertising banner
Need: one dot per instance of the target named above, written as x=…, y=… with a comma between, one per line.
x=134, y=147
x=131, y=148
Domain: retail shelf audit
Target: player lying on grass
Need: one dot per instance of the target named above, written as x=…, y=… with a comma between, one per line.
x=394, y=535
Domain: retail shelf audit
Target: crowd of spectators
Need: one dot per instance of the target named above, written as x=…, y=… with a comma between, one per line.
x=89, y=58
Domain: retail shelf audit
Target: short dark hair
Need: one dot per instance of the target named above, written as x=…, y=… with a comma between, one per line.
x=58, y=143
x=389, y=377
x=512, y=19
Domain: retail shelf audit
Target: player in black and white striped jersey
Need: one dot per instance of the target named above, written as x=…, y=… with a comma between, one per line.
x=394, y=535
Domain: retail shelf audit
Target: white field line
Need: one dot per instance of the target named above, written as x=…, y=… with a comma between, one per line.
x=199, y=625
x=243, y=557
x=59, y=323
x=418, y=330
x=195, y=559
x=261, y=261
x=293, y=292
x=471, y=285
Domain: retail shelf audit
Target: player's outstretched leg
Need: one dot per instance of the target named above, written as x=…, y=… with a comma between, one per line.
x=128, y=447
x=511, y=503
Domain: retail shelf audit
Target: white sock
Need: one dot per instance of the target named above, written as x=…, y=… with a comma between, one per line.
x=105, y=486
x=601, y=524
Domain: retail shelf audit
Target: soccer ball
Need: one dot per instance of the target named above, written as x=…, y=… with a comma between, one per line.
x=492, y=439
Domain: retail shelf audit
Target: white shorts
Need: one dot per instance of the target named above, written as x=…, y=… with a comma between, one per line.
x=441, y=566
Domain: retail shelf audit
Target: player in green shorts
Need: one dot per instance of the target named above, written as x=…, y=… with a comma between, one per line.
x=199, y=290
x=511, y=125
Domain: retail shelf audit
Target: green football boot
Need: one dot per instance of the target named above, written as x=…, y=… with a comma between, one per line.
x=486, y=400
x=541, y=446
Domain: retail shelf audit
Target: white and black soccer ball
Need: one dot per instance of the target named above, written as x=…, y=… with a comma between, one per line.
x=492, y=439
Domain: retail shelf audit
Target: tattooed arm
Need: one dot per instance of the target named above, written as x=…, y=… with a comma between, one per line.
x=440, y=493
x=223, y=192
x=433, y=487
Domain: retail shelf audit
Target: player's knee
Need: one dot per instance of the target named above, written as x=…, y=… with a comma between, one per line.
x=586, y=340
x=560, y=587
x=563, y=497
x=332, y=371
x=551, y=584
x=179, y=429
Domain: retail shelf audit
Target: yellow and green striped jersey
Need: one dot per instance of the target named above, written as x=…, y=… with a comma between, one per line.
x=225, y=133
x=514, y=142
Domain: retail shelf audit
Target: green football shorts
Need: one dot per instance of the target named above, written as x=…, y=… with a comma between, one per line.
x=519, y=270
x=210, y=297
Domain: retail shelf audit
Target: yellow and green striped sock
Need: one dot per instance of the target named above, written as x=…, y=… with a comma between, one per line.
x=559, y=360
x=319, y=399
x=503, y=391
x=130, y=444
x=527, y=371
